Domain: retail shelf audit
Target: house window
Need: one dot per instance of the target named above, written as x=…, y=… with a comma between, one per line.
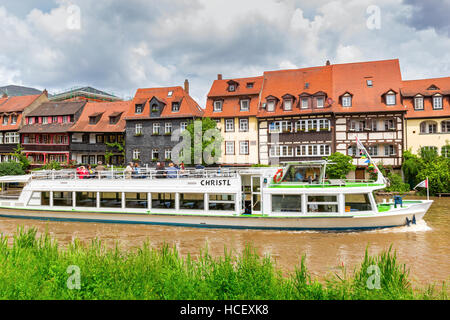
x=155, y=154
x=437, y=102
x=445, y=151
x=175, y=106
x=243, y=147
x=280, y=126
x=249, y=84
x=229, y=125
x=389, y=150
x=390, y=99
x=183, y=126
x=243, y=125
x=305, y=103
x=138, y=108
x=25, y=138
x=168, y=154
x=231, y=87
x=5, y=120
x=92, y=120
x=373, y=150
x=136, y=154
x=352, y=150
x=389, y=125
x=99, y=138
x=445, y=126
x=13, y=119
x=217, y=106
x=271, y=105
x=357, y=125
x=428, y=127
x=418, y=103
x=369, y=83
x=245, y=105
x=347, y=101
x=156, y=128
x=138, y=128
x=320, y=102
x=113, y=120
x=54, y=119
x=154, y=107
x=85, y=138
x=324, y=125
x=229, y=147
x=288, y=105
x=65, y=119
x=168, y=127
x=170, y=93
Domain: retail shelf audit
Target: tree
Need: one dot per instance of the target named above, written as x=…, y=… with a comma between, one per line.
x=21, y=157
x=110, y=147
x=11, y=169
x=340, y=165
x=201, y=143
x=410, y=167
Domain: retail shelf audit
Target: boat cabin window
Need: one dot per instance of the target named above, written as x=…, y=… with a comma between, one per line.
x=302, y=174
x=136, y=200
x=322, y=203
x=45, y=198
x=63, y=199
x=163, y=200
x=357, y=202
x=222, y=202
x=192, y=201
x=111, y=199
x=86, y=199
x=286, y=203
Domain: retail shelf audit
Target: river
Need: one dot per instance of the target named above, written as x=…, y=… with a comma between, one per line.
x=424, y=247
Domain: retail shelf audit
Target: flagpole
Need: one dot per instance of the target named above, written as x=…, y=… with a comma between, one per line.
x=380, y=177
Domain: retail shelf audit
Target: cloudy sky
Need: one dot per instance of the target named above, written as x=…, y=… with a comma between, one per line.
x=119, y=46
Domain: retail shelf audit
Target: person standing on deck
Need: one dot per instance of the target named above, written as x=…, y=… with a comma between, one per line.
x=128, y=170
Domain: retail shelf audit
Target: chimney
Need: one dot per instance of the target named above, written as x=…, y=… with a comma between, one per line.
x=328, y=63
x=186, y=86
x=219, y=76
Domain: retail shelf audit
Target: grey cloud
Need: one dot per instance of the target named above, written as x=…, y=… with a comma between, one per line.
x=430, y=13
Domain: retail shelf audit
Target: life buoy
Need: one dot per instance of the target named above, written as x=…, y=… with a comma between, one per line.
x=277, y=177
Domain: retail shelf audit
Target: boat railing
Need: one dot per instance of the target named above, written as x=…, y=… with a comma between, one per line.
x=142, y=173
x=333, y=182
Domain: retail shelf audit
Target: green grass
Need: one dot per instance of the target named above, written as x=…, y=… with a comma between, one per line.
x=35, y=267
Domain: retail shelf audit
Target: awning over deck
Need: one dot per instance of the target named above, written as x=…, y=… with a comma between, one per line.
x=23, y=178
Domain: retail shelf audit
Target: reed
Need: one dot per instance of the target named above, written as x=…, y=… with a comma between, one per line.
x=35, y=267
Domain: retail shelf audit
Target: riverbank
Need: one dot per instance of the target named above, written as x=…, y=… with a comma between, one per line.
x=37, y=268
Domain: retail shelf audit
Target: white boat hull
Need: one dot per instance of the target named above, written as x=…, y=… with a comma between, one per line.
x=392, y=218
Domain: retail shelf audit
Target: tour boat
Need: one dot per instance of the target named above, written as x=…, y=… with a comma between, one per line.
x=292, y=196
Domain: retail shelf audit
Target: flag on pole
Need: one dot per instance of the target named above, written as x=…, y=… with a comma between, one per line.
x=423, y=184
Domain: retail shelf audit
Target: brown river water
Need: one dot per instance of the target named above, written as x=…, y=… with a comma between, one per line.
x=424, y=247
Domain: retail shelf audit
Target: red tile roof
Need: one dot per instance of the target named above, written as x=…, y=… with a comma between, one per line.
x=231, y=100
x=105, y=110
x=295, y=82
x=411, y=88
x=188, y=106
x=14, y=105
x=19, y=103
x=352, y=78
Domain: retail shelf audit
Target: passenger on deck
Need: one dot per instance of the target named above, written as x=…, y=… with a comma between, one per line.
x=298, y=176
x=171, y=171
x=160, y=170
x=128, y=170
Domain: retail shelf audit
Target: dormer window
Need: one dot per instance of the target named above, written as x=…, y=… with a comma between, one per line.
x=271, y=105
x=138, y=108
x=418, y=102
x=347, y=100
x=231, y=87
x=154, y=107
x=30, y=120
x=217, y=106
x=113, y=120
x=245, y=105
x=13, y=119
x=320, y=102
x=250, y=84
x=437, y=101
x=390, y=98
x=92, y=120
x=170, y=93
x=175, y=106
x=288, y=105
x=304, y=103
